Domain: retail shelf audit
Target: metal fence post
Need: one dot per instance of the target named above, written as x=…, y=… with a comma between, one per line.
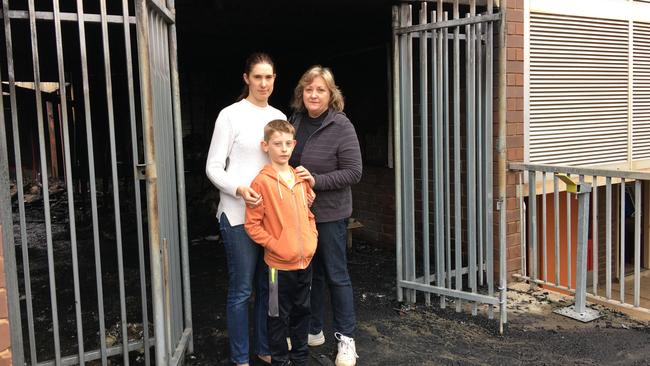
x=579, y=310
x=584, y=190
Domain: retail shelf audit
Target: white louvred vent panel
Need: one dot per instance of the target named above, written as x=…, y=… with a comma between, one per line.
x=578, y=90
x=641, y=95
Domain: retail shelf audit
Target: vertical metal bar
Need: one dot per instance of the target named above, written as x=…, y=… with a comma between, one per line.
x=489, y=193
x=522, y=226
x=180, y=176
x=424, y=156
x=583, y=229
x=142, y=26
x=136, y=180
x=594, y=235
x=608, y=237
x=398, y=152
x=91, y=175
x=116, y=183
x=637, y=243
x=437, y=40
x=446, y=146
x=471, y=152
x=14, y=305
x=457, y=163
x=68, y=176
x=501, y=149
x=168, y=302
x=407, y=143
x=556, y=227
x=544, y=243
x=532, y=223
x=569, y=223
x=621, y=244
x=44, y=181
x=480, y=146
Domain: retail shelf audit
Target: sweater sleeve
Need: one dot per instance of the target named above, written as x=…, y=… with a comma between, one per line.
x=253, y=223
x=223, y=138
x=349, y=163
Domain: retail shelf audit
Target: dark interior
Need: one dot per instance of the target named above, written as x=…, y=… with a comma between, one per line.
x=351, y=37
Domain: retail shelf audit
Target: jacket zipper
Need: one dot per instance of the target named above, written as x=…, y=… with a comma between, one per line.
x=295, y=203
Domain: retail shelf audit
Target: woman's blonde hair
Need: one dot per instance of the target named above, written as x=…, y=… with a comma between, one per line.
x=336, y=99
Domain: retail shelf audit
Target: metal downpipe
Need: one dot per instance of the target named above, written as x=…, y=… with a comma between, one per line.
x=501, y=165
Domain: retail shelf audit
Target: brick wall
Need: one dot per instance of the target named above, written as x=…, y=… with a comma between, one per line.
x=374, y=206
x=515, y=124
x=5, y=337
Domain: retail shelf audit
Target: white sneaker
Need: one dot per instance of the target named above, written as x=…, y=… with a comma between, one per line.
x=347, y=355
x=314, y=340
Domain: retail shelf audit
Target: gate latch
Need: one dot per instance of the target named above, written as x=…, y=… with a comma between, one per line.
x=141, y=171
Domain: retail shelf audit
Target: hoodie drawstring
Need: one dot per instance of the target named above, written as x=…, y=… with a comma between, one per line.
x=279, y=188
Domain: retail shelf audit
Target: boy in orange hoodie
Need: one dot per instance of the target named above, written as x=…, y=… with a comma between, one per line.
x=284, y=225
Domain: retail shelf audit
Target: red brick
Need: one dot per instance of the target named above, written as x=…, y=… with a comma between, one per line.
x=3, y=282
x=512, y=28
x=515, y=41
x=515, y=67
x=514, y=92
x=5, y=339
x=513, y=265
x=514, y=117
x=513, y=227
x=512, y=216
x=515, y=15
x=519, y=28
x=5, y=358
x=520, y=102
x=519, y=54
x=515, y=141
x=4, y=314
x=514, y=252
x=515, y=128
x=515, y=153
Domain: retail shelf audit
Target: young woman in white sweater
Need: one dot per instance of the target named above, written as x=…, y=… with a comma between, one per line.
x=234, y=159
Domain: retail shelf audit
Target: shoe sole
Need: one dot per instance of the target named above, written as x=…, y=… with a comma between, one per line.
x=317, y=342
x=341, y=363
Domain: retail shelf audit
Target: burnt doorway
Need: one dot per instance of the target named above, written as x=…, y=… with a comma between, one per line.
x=91, y=87
x=215, y=37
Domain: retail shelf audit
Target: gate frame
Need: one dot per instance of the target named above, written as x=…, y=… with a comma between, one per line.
x=404, y=199
x=159, y=256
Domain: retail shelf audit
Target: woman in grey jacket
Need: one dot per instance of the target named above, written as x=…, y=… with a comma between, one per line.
x=327, y=154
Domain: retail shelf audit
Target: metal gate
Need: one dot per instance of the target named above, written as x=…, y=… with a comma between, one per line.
x=85, y=133
x=443, y=95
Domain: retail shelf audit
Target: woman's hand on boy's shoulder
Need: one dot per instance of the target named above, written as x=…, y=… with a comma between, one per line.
x=304, y=174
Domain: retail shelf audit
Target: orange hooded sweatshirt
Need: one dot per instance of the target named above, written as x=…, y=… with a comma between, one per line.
x=283, y=223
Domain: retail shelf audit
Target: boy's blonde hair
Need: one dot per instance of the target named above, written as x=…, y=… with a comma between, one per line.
x=278, y=125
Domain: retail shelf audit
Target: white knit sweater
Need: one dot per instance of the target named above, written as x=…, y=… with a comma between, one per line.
x=235, y=155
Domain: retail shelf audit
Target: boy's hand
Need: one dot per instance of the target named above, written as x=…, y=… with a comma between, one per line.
x=304, y=174
x=251, y=198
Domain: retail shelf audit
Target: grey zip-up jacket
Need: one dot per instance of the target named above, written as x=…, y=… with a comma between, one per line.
x=332, y=156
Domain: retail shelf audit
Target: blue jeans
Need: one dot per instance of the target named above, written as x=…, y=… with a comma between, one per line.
x=331, y=267
x=245, y=268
